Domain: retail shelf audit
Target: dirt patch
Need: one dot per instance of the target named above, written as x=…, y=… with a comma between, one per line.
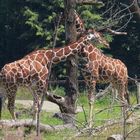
x=47, y=106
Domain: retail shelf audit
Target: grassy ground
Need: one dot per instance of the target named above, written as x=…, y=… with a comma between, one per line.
x=103, y=111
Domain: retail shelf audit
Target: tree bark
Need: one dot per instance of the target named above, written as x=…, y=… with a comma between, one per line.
x=69, y=106
x=135, y=8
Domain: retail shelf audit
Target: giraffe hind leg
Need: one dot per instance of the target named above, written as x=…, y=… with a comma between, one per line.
x=91, y=99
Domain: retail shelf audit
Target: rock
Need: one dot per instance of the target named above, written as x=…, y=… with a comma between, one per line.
x=115, y=137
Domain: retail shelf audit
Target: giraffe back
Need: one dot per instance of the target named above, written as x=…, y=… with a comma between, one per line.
x=105, y=69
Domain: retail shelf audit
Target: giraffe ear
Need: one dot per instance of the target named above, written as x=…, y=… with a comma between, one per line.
x=92, y=31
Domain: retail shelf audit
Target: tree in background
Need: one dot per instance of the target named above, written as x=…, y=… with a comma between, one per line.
x=29, y=24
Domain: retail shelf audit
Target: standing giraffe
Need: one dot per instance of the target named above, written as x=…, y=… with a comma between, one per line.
x=103, y=69
x=32, y=71
x=100, y=68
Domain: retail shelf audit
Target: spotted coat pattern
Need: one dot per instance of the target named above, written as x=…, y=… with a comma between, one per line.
x=32, y=71
x=100, y=68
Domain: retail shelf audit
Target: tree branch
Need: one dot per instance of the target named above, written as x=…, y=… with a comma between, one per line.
x=95, y=2
x=115, y=32
x=59, y=100
x=135, y=8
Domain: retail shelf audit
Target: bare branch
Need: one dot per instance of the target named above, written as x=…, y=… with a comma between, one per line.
x=117, y=12
x=102, y=93
x=56, y=30
x=115, y=32
x=59, y=100
x=112, y=5
x=96, y=2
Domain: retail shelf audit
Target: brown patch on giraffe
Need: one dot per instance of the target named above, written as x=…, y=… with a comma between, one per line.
x=60, y=53
x=73, y=46
x=37, y=66
x=56, y=59
x=32, y=56
x=26, y=64
x=44, y=71
x=67, y=51
x=14, y=70
x=44, y=77
x=12, y=74
x=92, y=56
x=25, y=72
x=49, y=54
x=74, y=51
x=39, y=57
x=7, y=67
x=122, y=72
x=90, y=49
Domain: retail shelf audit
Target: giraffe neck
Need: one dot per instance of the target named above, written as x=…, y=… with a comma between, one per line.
x=60, y=54
x=79, y=23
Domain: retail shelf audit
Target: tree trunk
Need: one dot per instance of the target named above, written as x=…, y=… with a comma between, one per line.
x=135, y=8
x=69, y=106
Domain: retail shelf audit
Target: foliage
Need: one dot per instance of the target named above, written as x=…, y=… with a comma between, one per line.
x=46, y=118
x=27, y=25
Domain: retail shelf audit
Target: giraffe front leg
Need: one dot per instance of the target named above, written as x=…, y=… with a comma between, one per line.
x=37, y=105
x=35, y=102
x=11, y=105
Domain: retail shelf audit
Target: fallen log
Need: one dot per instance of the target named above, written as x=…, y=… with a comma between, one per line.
x=30, y=123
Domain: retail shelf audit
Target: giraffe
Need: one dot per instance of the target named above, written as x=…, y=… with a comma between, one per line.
x=100, y=68
x=103, y=69
x=33, y=69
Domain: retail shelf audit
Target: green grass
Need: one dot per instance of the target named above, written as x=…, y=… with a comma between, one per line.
x=46, y=118
x=24, y=93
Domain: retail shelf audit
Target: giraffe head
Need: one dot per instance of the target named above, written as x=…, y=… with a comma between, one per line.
x=98, y=37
